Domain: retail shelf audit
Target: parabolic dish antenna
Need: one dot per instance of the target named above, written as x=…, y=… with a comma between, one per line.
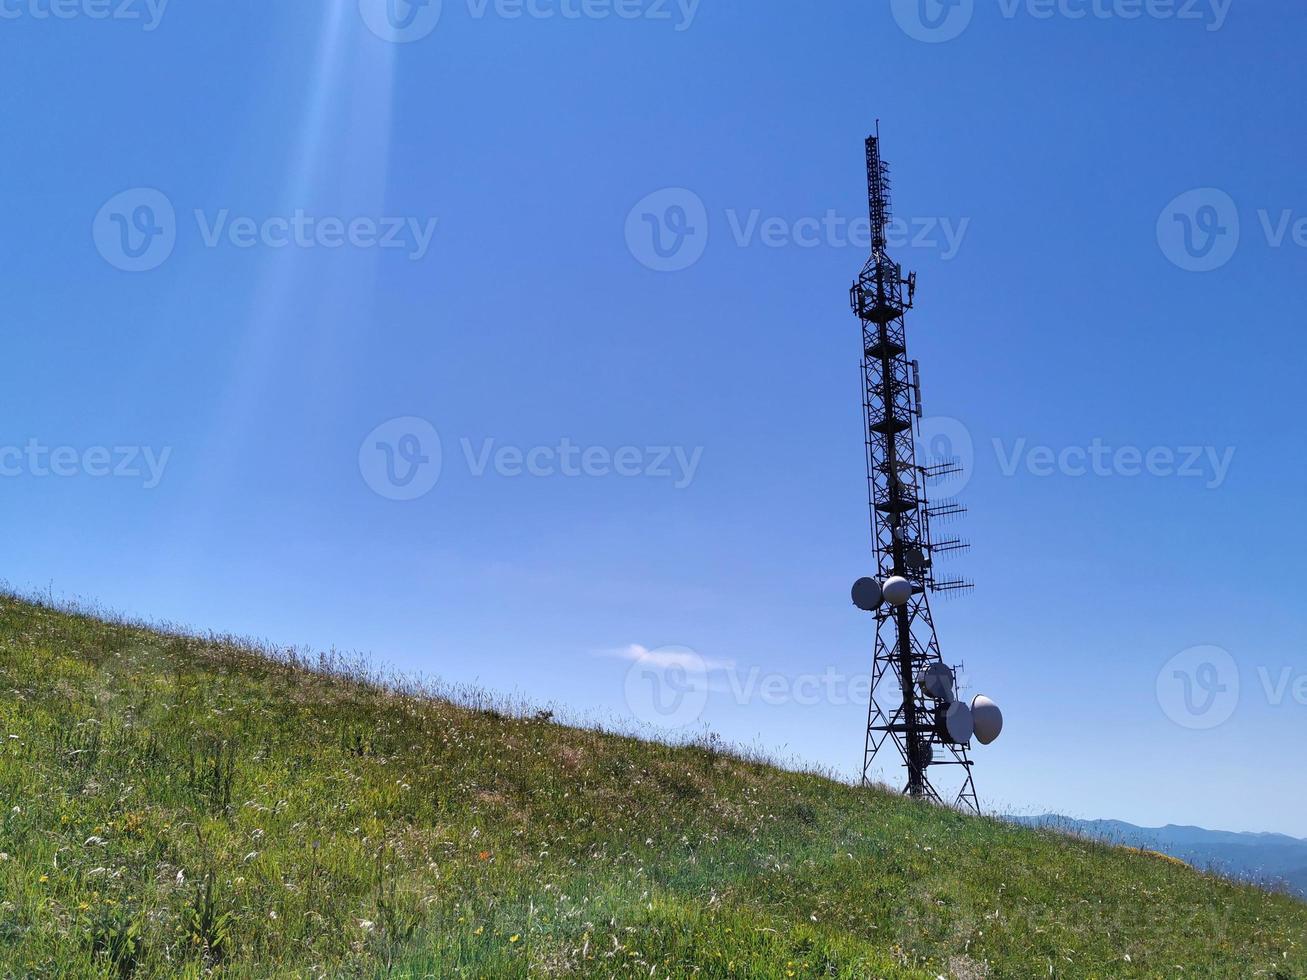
x=898, y=590
x=937, y=682
x=987, y=719
x=959, y=723
x=867, y=594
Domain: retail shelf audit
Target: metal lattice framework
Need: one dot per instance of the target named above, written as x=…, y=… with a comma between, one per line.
x=906, y=641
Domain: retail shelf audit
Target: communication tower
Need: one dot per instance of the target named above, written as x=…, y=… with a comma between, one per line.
x=914, y=698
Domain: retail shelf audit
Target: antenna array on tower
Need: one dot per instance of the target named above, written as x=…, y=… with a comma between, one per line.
x=921, y=715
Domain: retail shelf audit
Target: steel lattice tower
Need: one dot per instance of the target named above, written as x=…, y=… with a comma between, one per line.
x=906, y=642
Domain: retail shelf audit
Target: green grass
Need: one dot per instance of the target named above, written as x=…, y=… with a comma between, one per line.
x=174, y=807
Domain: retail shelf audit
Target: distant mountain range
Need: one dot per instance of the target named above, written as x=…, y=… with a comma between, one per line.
x=1273, y=860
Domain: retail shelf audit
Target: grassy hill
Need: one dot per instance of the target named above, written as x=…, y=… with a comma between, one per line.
x=1273, y=860
x=171, y=806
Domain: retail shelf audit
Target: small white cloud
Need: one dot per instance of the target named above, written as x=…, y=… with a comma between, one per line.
x=667, y=658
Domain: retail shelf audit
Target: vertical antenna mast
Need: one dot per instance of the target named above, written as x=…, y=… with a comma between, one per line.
x=925, y=722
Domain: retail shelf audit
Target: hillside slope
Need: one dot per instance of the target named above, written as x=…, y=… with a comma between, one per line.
x=1273, y=860
x=173, y=806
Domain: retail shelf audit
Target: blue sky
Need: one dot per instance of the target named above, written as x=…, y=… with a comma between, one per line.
x=335, y=325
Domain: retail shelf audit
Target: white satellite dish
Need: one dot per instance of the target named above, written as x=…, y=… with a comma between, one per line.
x=987, y=718
x=867, y=594
x=959, y=723
x=936, y=681
x=897, y=590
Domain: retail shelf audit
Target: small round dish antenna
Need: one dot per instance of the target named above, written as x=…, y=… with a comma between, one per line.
x=867, y=594
x=936, y=681
x=959, y=724
x=898, y=590
x=988, y=719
